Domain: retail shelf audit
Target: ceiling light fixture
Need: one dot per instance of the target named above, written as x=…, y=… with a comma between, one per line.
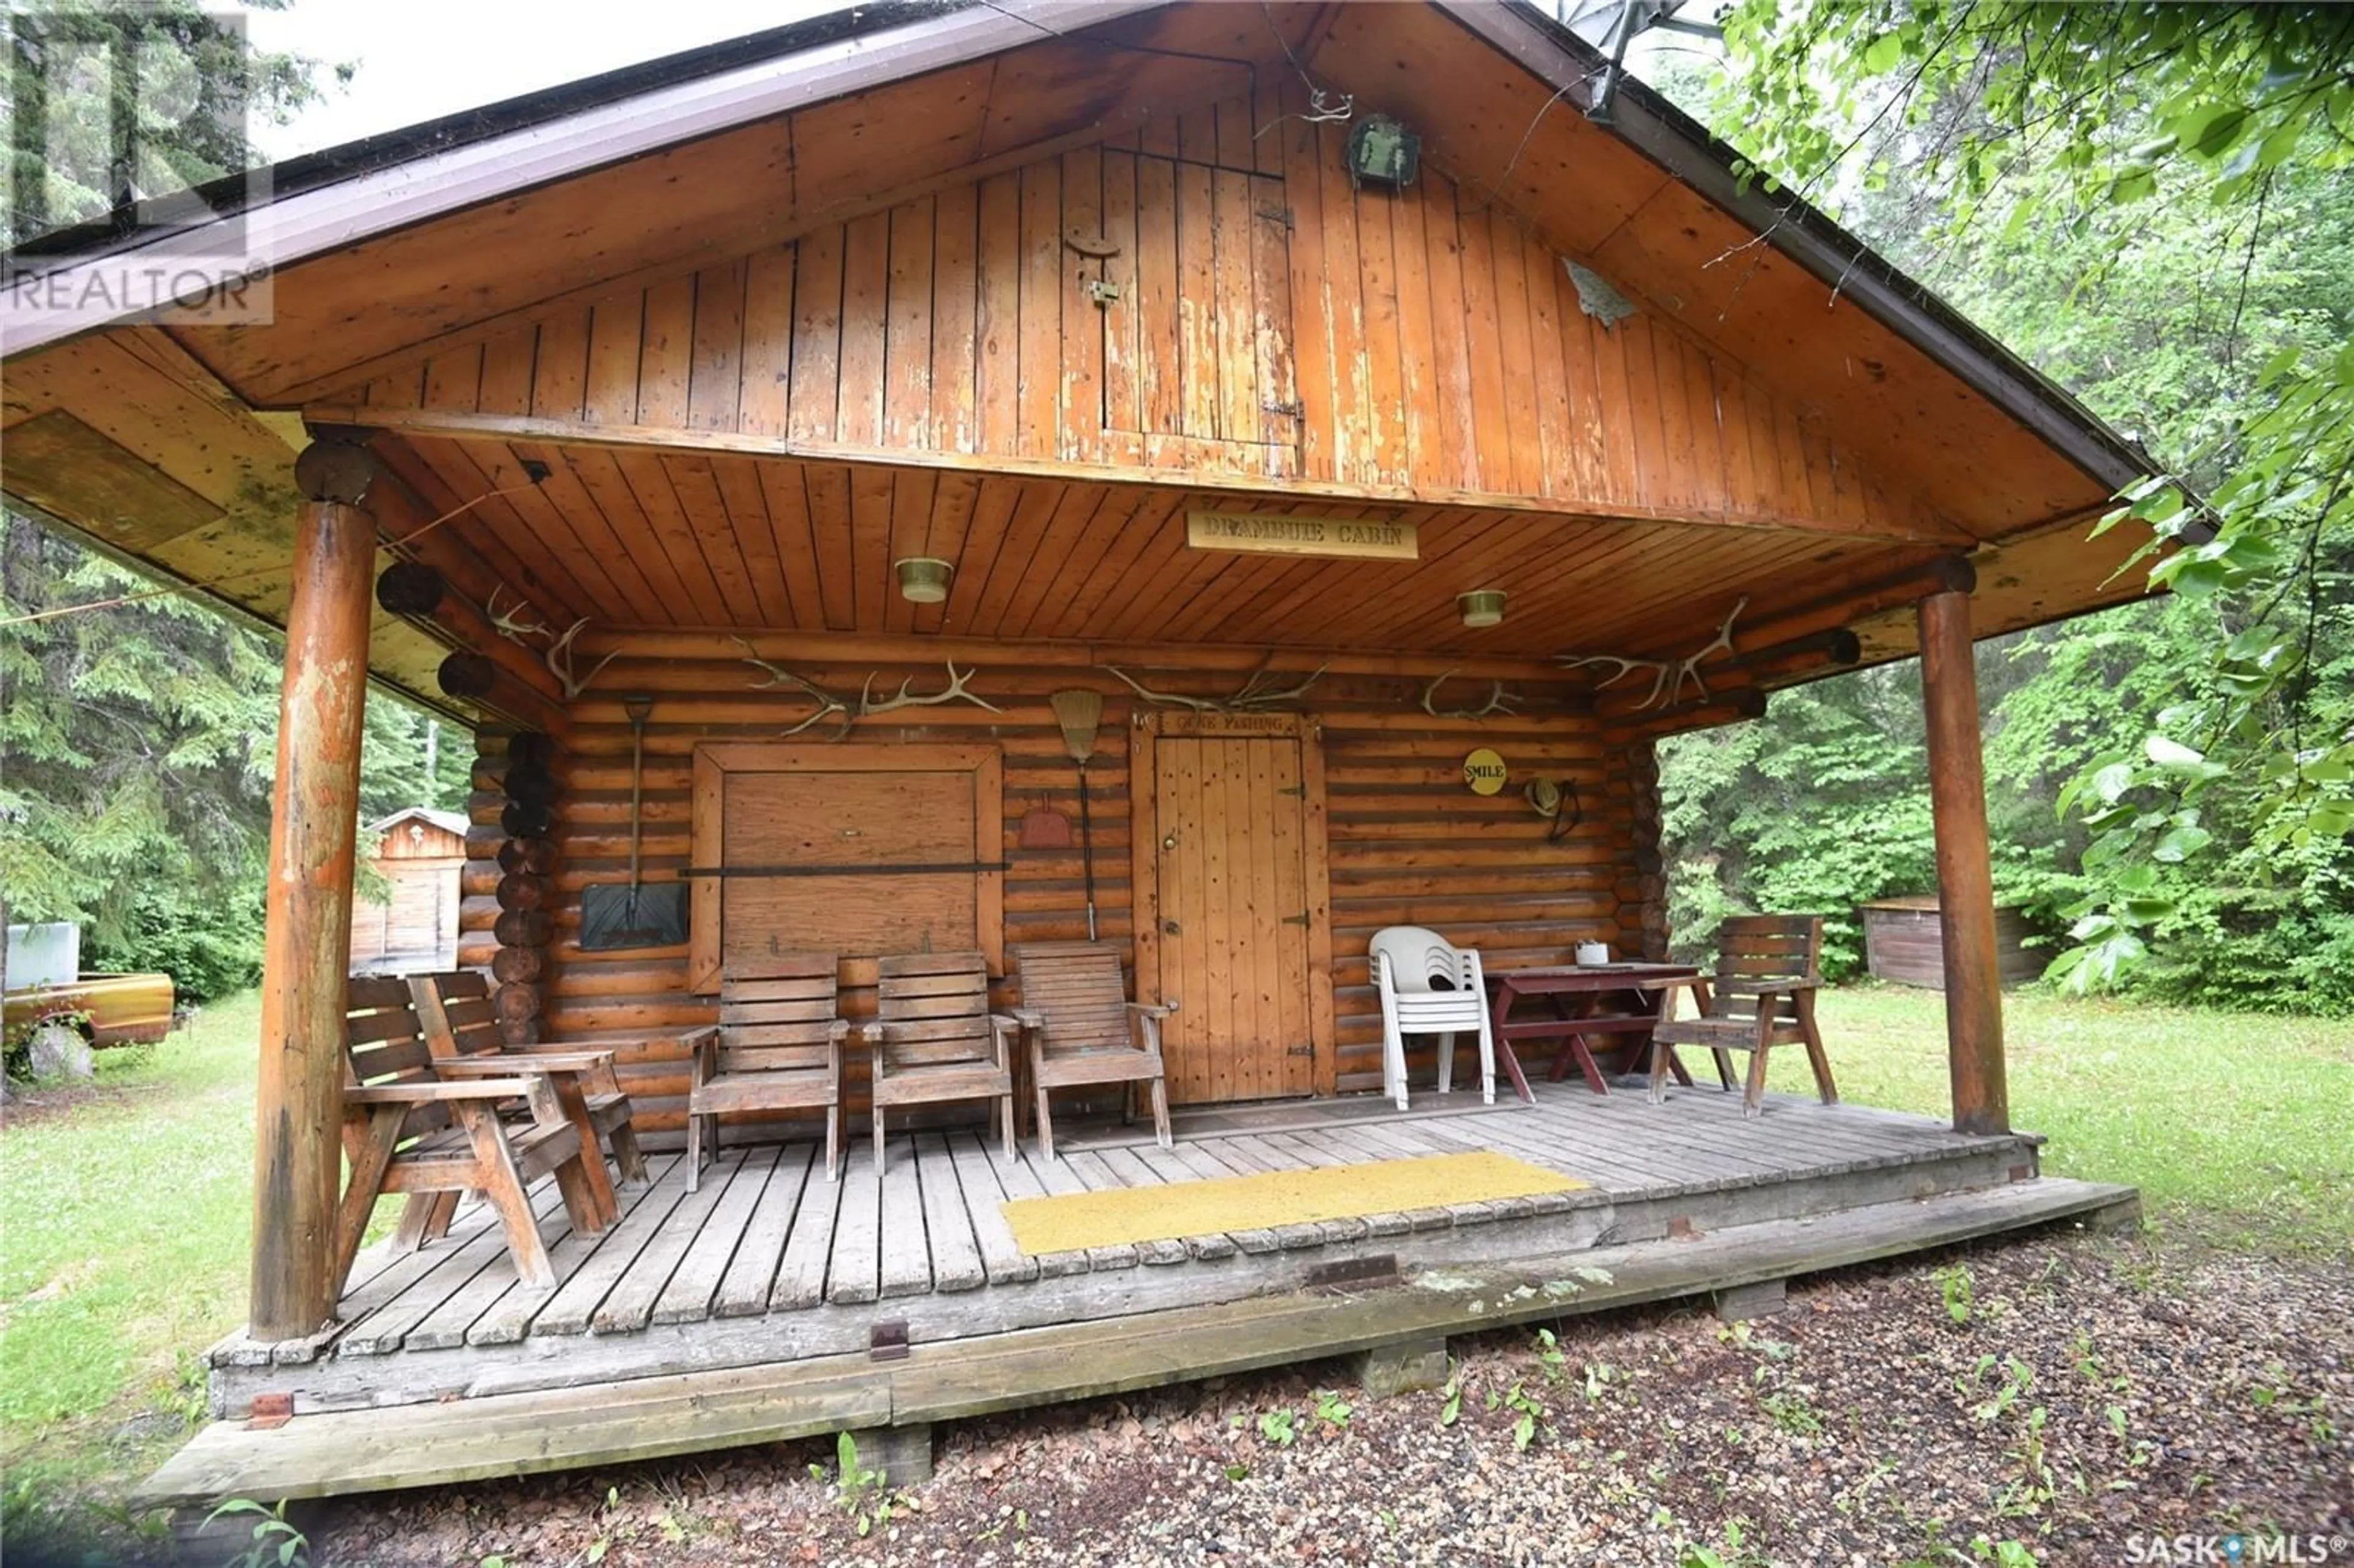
x=1482, y=607
x=922, y=579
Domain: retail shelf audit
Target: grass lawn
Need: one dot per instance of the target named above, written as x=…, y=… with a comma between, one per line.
x=124, y=1215
x=2238, y=1129
x=123, y=1219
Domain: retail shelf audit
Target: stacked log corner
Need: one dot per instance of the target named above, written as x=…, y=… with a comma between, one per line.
x=512, y=857
x=1643, y=919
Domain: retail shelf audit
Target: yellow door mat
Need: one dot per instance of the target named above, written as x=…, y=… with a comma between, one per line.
x=1274, y=1198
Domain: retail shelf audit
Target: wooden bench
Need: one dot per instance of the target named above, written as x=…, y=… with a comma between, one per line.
x=1763, y=995
x=934, y=1039
x=461, y=1031
x=408, y=1129
x=776, y=1046
x=1083, y=1030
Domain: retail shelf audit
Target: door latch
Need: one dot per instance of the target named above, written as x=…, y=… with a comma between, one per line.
x=1102, y=291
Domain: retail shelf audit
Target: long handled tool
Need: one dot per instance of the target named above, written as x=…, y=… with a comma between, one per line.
x=631, y=914
x=1078, y=712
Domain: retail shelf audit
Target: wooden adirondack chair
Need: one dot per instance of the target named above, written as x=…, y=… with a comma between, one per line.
x=408, y=1129
x=454, y=1011
x=778, y=1047
x=934, y=1039
x=1083, y=1030
x=1762, y=996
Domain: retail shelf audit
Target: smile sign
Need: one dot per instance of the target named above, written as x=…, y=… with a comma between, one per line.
x=1483, y=770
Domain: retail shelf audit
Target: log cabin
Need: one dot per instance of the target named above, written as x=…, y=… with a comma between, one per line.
x=748, y=448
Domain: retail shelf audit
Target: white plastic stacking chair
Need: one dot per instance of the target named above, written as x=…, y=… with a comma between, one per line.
x=1429, y=986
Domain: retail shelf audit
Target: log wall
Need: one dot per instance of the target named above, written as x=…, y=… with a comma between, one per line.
x=1409, y=842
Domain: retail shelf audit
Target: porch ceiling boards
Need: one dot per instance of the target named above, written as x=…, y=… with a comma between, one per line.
x=670, y=539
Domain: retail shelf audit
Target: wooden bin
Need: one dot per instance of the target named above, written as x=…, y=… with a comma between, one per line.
x=1903, y=943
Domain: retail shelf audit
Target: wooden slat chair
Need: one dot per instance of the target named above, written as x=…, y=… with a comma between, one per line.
x=934, y=1039
x=461, y=1031
x=408, y=1129
x=1763, y=995
x=776, y=1046
x=1083, y=1030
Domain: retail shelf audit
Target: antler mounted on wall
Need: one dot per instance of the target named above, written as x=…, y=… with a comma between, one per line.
x=1500, y=701
x=1254, y=695
x=510, y=623
x=558, y=658
x=846, y=711
x=1669, y=675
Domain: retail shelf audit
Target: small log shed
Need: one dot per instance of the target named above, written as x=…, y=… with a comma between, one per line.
x=849, y=389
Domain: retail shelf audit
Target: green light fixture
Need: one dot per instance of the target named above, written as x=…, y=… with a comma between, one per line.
x=1384, y=153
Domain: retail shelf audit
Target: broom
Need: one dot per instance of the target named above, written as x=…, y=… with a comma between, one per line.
x=1078, y=712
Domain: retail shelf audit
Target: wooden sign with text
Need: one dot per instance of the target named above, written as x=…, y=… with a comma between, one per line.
x=1272, y=533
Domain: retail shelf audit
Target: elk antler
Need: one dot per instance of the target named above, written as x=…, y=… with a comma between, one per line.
x=828, y=705
x=1669, y=675
x=953, y=691
x=1500, y=701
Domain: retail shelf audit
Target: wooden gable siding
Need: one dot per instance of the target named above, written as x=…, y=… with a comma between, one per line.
x=1408, y=843
x=1430, y=343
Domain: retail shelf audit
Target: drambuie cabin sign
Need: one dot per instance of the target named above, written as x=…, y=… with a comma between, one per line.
x=1273, y=533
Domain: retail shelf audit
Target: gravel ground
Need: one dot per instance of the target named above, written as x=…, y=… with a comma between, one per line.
x=2079, y=1396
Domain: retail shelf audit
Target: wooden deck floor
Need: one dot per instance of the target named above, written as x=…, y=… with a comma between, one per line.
x=770, y=1261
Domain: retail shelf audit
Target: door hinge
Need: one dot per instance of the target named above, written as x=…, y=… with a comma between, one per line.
x=1297, y=791
x=1290, y=410
x=1299, y=1050
x=1281, y=215
x=1298, y=919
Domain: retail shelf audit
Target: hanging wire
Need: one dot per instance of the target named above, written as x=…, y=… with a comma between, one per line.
x=1324, y=107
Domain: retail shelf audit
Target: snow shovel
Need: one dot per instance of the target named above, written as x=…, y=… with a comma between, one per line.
x=615, y=915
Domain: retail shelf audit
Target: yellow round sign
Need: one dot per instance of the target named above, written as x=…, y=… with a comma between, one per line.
x=1484, y=771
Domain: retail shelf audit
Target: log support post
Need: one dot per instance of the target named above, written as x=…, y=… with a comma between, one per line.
x=1949, y=691
x=314, y=824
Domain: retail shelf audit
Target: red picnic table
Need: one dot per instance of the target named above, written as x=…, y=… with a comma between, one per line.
x=1581, y=1000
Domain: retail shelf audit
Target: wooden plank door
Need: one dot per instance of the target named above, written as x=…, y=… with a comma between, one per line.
x=1233, y=908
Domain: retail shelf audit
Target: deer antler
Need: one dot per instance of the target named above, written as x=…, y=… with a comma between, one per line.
x=1669, y=675
x=558, y=658
x=1254, y=694
x=828, y=705
x=953, y=691
x=1498, y=701
x=509, y=623
x=1167, y=699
